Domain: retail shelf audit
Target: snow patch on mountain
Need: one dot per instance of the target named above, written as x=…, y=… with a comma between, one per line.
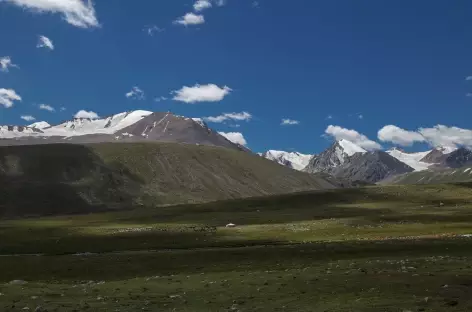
x=411, y=159
x=109, y=125
x=39, y=125
x=350, y=148
x=12, y=132
x=293, y=160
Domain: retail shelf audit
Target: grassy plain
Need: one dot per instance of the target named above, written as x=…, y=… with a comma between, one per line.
x=388, y=248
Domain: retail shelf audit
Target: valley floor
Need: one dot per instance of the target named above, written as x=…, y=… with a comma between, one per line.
x=390, y=248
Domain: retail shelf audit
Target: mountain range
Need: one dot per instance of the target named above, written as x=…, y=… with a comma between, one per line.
x=135, y=126
x=348, y=161
x=343, y=160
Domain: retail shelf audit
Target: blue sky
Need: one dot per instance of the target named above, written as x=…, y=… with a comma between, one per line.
x=321, y=63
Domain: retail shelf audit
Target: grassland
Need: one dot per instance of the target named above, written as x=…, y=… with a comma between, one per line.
x=396, y=248
x=63, y=178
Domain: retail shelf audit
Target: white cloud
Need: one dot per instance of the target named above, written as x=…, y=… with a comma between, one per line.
x=45, y=42
x=86, y=115
x=151, y=30
x=360, y=116
x=255, y=4
x=62, y=109
x=5, y=63
x=289, y=122
x=220, y=2
x=160, y=99
x=8, y=96
x=136, y=94
x=329, y=117
x=235, y=137
x=441, y=135
x=201, y=5
x=47, y=107
x=399, y=136
x=201, y=93
x=229, y=116
x=79, y=13
x=352, y=135
x=468, y=78
x=469, y=95
x=190, y=19
x=28, y=118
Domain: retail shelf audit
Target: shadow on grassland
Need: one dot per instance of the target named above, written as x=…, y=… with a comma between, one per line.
x=130, y=265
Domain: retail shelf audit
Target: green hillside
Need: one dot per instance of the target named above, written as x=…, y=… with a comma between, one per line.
x=64, y=178
x=436, y=176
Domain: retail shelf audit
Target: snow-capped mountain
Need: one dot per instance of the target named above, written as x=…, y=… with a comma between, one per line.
x=292, y=160
x=135, y=126
x=333, y=157
x=414, y=160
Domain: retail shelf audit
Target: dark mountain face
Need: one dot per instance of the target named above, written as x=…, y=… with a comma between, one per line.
x=459, y=158
x=436, y=156
x=371, y=167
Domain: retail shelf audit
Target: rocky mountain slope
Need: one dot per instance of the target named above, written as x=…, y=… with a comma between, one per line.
x=347, y=161
x=371, y=167
x=72, y=178
x=333, y=157
x=135, y=126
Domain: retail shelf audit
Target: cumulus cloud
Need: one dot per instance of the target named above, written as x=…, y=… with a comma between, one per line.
x=28, y=118
x=235, y=137
x=201, y=93
x=86, y=115
x=5, y=63
x=151, y=30
x=441, y=135
x=355, y=137
x=229, y=116
x=47, y=107
x=399, y=136
x=79, y=13
x=201, y=5
x=190, y=19
x=289, y=122
x=45, y=42
x=136, y=94
x=8, y=96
